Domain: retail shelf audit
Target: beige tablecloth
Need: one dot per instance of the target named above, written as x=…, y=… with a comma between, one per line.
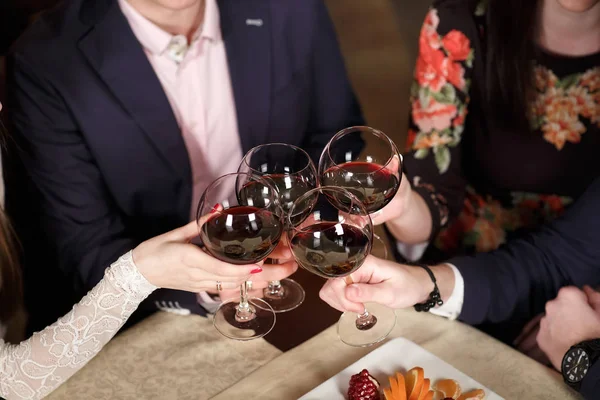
x=175, y=357
x=166, y=357
x=493, y=364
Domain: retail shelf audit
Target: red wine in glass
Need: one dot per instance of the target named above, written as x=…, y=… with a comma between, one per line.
x=290, y=188
x=333, y=241
x=291, y=171
x=373, y=184
x=242, y=235
x=244, y=227
x=330, y=249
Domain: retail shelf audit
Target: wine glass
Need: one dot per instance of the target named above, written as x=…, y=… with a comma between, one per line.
x=292, y=173
x=372, y=172
x=332, y=240
x=245, y=228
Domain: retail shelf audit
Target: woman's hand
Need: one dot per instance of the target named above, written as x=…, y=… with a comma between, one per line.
x=285, y=266
x=407, y=216
x=170, y=261
x=379, y=281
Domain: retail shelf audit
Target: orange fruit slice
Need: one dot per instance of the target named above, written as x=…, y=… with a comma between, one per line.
x=429, y=396
x=437, y=395
x=425, y=389
x=414, y=383
x=397, y=389
x=449, y=388
x=476, y=394
x=387, y=393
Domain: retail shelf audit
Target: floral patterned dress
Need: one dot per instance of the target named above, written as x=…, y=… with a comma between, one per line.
x=482, y=185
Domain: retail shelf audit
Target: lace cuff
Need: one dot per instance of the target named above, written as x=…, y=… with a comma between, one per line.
x=127, y=278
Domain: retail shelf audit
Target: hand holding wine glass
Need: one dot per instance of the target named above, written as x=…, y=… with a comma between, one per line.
x=388, y=283
x=244, y=229
x=372, y=172
x=332, y=240
x=187, y=267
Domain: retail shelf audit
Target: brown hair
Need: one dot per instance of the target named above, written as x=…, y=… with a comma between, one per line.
x=10, y=272
x=511, y=49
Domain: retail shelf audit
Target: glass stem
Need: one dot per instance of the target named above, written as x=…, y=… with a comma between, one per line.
x=365, y=321
x=244, y=312
x=274, y=287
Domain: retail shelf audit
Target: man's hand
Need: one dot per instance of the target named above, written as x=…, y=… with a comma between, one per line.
x=571, y=318
x=388, y=283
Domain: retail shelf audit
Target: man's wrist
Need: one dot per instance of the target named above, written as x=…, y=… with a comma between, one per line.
x=445, y=280
x=444, y=276
x=424, y=284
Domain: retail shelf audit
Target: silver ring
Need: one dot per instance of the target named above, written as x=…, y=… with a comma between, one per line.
x=249, y=285
x=219, y=286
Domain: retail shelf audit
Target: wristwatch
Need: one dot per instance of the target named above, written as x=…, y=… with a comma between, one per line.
x=578, y=360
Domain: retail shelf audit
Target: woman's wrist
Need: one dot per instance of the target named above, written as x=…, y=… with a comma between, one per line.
x=413, y=226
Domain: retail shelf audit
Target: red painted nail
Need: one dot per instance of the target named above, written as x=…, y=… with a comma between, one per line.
x=256, y=270
x=215, y=208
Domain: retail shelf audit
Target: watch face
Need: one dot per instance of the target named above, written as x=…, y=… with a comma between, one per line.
x=575, y=365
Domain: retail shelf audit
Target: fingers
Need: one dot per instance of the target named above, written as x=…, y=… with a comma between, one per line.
x=394, y=165
x=377, y=293
x=282, y=251
x=185, y=233
x=333, y=293
x=593, y=297
x=200, y=262
x=211, y=286
x=276, y=272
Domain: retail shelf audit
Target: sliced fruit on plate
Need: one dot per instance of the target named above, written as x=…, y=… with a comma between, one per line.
x=363, y=386
x=448, y=387
x=414, y=383
x=437, y=395
x=397, y=389
x=425, y=389
x=476, y=394
x=429, y=395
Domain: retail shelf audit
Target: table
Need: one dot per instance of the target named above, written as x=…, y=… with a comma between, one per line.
x=174, y=357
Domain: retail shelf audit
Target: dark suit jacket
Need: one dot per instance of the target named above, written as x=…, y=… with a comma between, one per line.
x=517, y=280
x=99, y=163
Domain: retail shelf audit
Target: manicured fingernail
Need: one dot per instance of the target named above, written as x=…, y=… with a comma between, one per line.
x=256, y=270
x=215, y=208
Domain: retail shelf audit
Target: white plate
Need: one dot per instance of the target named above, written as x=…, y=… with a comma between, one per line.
x=397, y=355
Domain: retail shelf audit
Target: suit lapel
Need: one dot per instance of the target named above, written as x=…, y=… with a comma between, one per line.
x=114, y=52
x=246, y=29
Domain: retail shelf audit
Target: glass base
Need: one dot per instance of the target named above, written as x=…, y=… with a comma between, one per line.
x=288, y=297
x=244, y=326
x=349, y=332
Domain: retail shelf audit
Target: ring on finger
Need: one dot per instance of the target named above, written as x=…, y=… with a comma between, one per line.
x=219, y=286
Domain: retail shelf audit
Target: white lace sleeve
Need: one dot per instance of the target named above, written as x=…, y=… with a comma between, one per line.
x=37, y=366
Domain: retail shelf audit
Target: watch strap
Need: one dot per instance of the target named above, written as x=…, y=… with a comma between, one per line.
x=592, y=348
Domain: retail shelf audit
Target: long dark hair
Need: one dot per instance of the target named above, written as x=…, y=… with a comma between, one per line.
x=10, y=270
x=510, y=50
